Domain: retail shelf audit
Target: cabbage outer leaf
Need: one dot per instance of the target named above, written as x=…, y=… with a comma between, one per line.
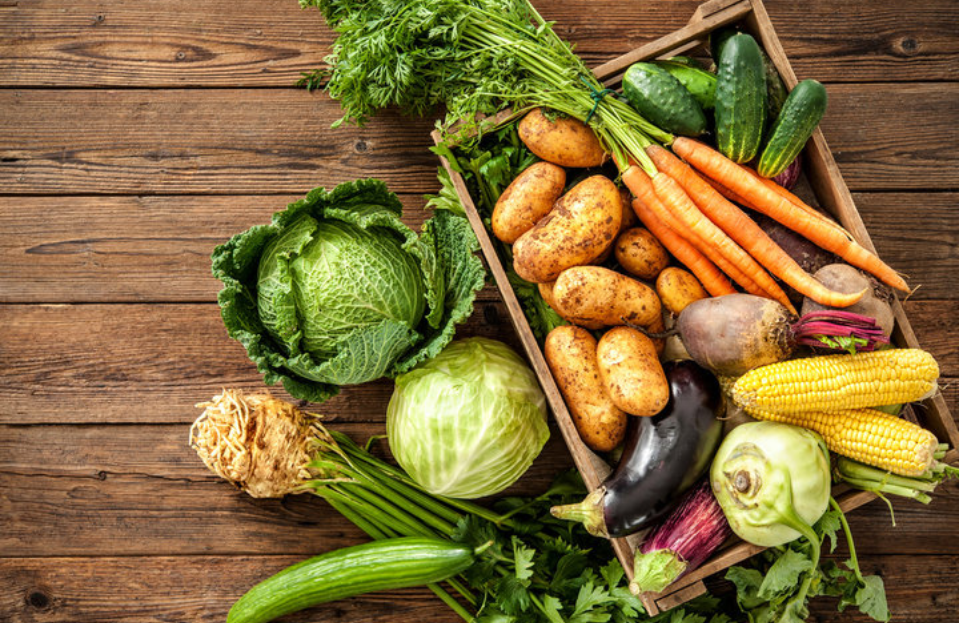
x=451, y=275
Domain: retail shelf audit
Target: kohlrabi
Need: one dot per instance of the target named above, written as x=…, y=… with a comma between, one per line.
x=337, y=290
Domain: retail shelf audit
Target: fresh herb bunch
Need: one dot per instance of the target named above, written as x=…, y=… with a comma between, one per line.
x=488, y=165
x=473, y=57
x=777, y=584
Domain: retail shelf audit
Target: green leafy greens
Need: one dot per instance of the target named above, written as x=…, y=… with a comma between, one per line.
x=337, y=290
x=473, y=57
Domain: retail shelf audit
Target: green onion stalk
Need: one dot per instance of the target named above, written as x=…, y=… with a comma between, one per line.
x=476, y=59
x=269, y=448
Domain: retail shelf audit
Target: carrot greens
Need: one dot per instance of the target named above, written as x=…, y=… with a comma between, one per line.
x=474, y=58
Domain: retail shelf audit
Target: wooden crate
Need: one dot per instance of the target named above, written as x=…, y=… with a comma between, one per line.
x=823, y=177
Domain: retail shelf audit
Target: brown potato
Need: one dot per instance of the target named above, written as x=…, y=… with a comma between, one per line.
x=581, y=225
x=564, y=141
x=546, y=291
x=571, y=354
x=631, y=371
x=677, y=288
x=597, y=294
x=526, y=200
x=640, y=253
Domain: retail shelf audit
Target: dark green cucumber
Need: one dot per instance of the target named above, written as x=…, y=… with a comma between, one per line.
x=740, y=98
x=801, y=113
x=699, y=82
x=662, y=99
x=685, y=60
x=379, y=565
x=776, y=92
x=719, y=37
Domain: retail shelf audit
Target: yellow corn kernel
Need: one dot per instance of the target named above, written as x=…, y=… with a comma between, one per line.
x=832, y=382
x=868, y=436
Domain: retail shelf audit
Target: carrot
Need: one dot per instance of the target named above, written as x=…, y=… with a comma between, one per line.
x=786, y=194
x=678, y=202
x=746, y=232
x=642, y=188
x=713, y=164
x=711, y=277
x=725, y=192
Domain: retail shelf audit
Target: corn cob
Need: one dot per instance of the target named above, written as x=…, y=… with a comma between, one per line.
x=868, y=436
x=833, y=382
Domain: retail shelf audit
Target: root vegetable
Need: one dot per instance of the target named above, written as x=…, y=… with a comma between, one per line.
x=630, y=370
x=563, y=141
x=678, y=288
x=640, y=253
x=596, y=294
x=571, y=354
x=526, y=200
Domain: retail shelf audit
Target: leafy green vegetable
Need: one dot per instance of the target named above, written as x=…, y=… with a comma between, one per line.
x=487, y=166
x=468, y=422
x=337, y=290
x=769, y=589
x=476, y=58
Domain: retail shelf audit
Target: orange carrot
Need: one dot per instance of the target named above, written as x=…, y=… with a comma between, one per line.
x=642, y=188
x=711, y=277
x=725, y=192
x=679, y=203
x=731, y=175
x=786, y=194
x=746, y=232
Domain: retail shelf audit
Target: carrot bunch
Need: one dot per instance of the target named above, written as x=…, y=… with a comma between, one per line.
x=689, y=207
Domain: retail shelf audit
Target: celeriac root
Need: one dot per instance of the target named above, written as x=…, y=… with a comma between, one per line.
x=258, y=443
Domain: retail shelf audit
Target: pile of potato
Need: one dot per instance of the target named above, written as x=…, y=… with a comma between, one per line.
x=559, y=237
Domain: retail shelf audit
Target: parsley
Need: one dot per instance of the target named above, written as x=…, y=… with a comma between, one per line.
x=473, y=57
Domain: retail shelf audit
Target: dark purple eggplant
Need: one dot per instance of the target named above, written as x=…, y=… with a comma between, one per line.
x=664, y=455
x=680, y=544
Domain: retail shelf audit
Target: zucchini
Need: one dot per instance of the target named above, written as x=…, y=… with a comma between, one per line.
x=379, y=565
x=699, y=82
x=662, y=99
x=801, y=113
x=740, y=98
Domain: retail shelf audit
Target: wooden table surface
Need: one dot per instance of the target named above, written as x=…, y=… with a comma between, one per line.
x=135, y=135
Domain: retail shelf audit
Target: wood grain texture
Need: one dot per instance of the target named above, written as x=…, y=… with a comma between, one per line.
x=100, y=490
x=253, y=44
x=201, y=589
x=249, y=141
x=157, y=249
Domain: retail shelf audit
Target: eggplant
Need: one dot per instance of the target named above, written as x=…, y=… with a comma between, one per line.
x=663, y=456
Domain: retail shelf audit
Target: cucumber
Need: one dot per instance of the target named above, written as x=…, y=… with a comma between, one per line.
x=663, y=100
x=801, y=113
x=719, y=37
x=685, y=60
x=380, y=565
x=740, y=98
x=699, y=82
x=776, y=92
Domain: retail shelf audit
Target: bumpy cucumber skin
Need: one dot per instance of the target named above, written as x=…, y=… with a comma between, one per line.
x=379, y=565
x=663, y=100
x=700, y=83
x=800, y=114
x=740, y=98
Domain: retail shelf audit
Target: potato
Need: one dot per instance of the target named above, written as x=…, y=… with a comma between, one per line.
x=581, y=225
x=564, y=141
x=677, y=288
x=640, y=253
x=546, y=291
x=571, y=355
x=846, y=279
x=526, y=200
x=597, y=294
x=631, y=372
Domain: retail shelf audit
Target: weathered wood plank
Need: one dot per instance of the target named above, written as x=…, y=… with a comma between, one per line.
x=152, y=363
x=176, y=44
x=226, y=141
x=116, y=249
x=140, y=490
x=160, y=589
x=157, y=249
